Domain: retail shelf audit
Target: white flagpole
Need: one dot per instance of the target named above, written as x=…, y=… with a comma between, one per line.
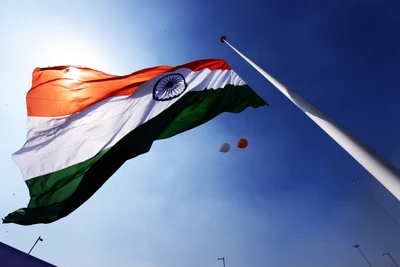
x=387, y=174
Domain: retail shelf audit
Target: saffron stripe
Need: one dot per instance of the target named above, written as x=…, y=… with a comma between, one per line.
x=66, y=90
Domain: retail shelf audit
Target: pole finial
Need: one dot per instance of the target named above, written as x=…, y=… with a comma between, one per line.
x=222, y=39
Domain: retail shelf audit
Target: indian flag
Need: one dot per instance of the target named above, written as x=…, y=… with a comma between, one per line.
x=83, y=124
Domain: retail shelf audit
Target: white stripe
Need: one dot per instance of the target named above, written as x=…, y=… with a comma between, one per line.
x=54, y=143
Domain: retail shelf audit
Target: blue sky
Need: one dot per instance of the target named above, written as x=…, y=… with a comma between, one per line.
x=286, y=200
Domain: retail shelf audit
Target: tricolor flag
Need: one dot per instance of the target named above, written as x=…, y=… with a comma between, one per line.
x=83, y=124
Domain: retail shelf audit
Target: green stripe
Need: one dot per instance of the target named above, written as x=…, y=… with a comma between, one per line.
x=57, y=194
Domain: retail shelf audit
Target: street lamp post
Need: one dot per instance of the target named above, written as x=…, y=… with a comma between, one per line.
x=222, y=259
x=39, y=239
x=388, y=254
x=357, y=246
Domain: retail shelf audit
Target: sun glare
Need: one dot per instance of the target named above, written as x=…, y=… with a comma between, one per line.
x=71, y=52
x=73, y=73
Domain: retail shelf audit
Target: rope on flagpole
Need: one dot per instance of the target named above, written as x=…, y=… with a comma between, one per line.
x=359, y=187
x=343, y=173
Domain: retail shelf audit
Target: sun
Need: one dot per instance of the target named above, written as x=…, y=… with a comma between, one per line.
x=71, y=51
x=73, y=73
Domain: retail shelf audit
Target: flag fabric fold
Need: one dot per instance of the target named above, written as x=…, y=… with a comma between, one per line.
x=83, y=124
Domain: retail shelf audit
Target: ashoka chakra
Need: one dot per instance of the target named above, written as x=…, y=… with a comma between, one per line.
x=169, y=87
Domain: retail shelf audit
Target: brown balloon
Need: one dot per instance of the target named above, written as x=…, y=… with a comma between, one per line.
x=242, y=143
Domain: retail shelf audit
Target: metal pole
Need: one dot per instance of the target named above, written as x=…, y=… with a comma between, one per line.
x=387, y=174
x=223, y=260
x=39, y=238
x=364, y=257
x=383, y=254
x=393, y=259
x=358, y=247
